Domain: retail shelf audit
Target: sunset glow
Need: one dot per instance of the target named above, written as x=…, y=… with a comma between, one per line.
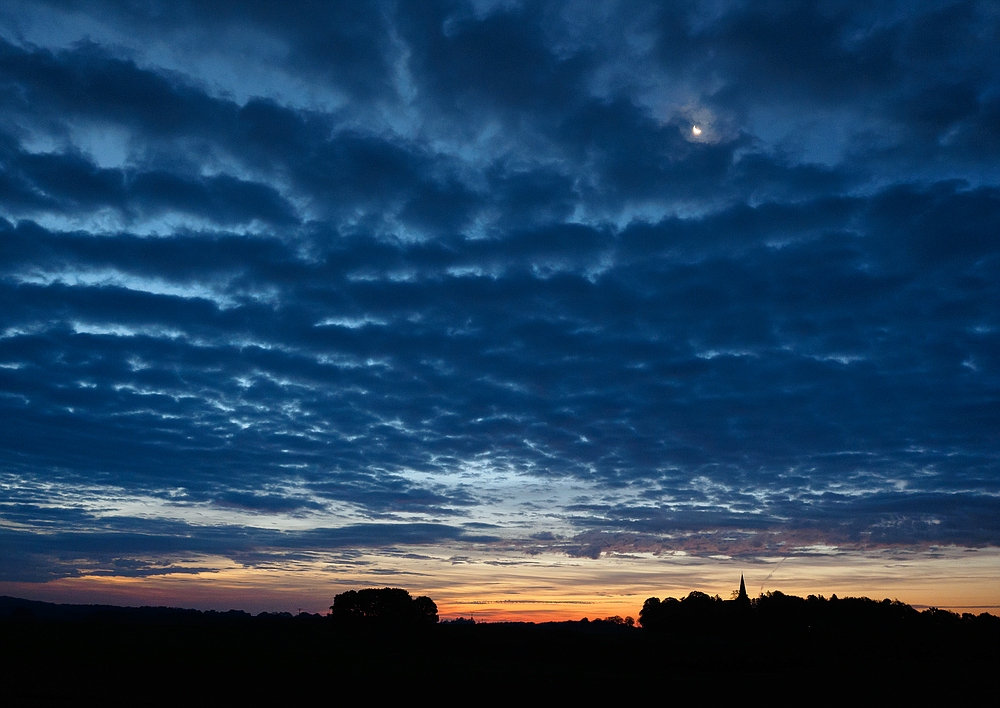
x=550, y=587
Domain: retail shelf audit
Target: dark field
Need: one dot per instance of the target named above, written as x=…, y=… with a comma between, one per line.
x=157, y=656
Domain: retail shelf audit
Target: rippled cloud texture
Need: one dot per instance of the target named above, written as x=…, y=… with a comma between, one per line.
x=586, y=279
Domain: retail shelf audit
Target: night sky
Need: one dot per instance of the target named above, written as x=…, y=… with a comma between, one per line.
x=538, y=308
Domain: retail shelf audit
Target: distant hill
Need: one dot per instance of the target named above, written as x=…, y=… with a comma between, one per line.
x=18, y=609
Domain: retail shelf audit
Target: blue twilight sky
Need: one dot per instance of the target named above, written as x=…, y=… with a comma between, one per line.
x=583, y=278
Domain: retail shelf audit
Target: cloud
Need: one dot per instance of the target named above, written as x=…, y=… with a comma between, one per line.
x=135, y=547
x=263, y=503
x=406, y=262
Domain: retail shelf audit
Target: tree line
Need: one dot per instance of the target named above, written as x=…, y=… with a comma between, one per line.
x=777, y=611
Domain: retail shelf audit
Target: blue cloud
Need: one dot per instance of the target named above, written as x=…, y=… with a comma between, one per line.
x=410, y=259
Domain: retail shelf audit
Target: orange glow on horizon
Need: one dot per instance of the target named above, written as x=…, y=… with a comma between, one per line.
x=551, y=587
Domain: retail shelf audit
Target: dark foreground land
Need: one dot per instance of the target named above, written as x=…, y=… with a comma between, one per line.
x=90, y=655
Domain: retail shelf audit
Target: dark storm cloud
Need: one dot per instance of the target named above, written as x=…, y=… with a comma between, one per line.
x=501, y=249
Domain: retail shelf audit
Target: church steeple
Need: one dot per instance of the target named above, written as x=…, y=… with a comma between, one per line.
x=743, y=597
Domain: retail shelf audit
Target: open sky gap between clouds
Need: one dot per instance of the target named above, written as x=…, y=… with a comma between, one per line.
x=365, y=269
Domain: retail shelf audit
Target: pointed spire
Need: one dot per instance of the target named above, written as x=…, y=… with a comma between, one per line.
x=743, y=589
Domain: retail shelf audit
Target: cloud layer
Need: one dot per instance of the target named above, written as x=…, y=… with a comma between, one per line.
x=275, y=279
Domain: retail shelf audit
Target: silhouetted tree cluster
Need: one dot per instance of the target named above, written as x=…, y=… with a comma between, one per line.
x=618, y=620
x=460, y=620
x=776, y=611
x=696, y=611
x=384, y=607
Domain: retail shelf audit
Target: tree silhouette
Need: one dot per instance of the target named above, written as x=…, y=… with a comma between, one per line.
x=386, y=607
x=425, y=609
